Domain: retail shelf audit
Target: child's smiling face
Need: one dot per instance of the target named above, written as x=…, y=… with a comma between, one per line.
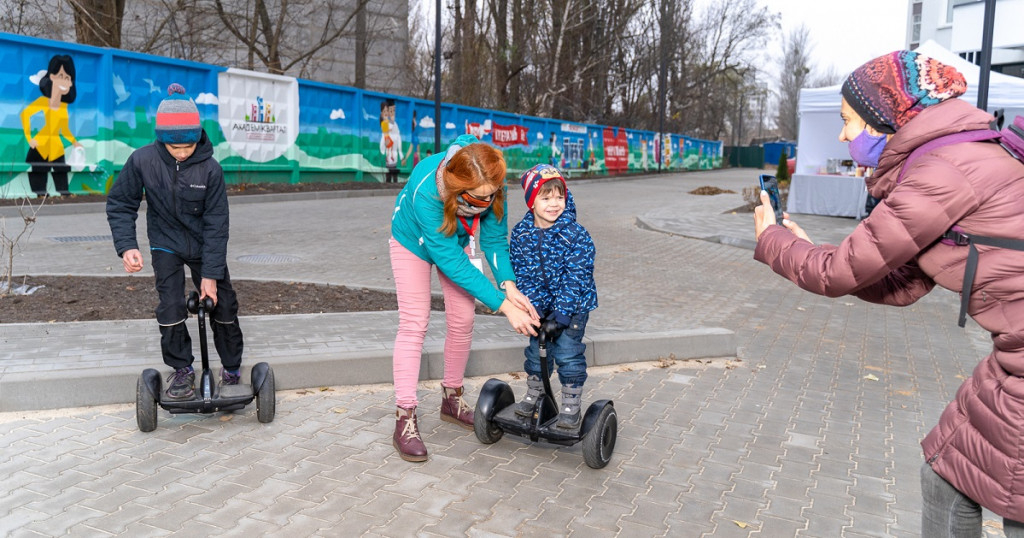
x=547, y=207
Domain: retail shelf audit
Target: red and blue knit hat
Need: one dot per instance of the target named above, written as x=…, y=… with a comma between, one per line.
x=533, y=178
x=890, y=90
x=177, y=118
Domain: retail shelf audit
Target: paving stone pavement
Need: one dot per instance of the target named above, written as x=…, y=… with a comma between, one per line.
x=811, y=430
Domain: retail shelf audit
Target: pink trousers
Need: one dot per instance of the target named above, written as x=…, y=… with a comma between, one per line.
x=412, y=284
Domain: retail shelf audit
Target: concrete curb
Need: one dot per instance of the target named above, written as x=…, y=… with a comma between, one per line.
x=101, y=207
x=87, y=386
x=738, y=242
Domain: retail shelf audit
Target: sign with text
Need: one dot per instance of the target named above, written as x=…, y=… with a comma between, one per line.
x=259, y=113
x=616, y=150
x=504, y=136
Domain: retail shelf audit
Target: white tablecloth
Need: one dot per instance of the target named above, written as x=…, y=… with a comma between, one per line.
x=836, y=196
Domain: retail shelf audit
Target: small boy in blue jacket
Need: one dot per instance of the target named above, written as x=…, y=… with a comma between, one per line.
x=553, y=259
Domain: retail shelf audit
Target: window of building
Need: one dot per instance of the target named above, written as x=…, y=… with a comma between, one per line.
x=1014, y=70
x=973, y=56
x=915, y=21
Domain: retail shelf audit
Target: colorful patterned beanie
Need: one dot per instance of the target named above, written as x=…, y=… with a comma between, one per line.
x=533, y=178
x=177, y=118
x=890, y=90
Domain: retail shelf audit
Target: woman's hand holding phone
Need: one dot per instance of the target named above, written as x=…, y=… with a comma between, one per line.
x=770, y=212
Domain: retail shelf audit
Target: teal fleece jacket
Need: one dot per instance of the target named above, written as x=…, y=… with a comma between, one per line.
x=416, y=222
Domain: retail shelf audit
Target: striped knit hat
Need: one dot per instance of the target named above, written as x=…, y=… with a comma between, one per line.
x=890, y=90
x=533, y=178
x=177, y=118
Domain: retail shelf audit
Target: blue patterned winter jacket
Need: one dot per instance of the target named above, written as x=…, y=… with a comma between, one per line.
x=555, y=266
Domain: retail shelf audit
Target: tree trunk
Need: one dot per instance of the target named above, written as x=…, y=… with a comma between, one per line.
x=502, y=51
x=98, y=22
x=360, y=77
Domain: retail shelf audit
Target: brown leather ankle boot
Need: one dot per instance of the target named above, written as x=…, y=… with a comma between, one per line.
x=454, y=409
x=407, y=436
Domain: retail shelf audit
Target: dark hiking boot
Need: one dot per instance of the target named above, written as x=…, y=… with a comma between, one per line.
x=407, y=436
x=534, y=388
x=454, y=409
x=181, y=384
x=569, y=412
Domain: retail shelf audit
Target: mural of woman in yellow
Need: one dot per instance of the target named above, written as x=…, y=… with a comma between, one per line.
x=46, y=149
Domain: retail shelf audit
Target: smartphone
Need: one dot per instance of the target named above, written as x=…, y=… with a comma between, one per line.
x=770, y=185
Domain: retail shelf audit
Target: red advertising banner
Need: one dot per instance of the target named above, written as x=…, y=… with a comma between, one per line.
x=616, y=150
x=509, y=135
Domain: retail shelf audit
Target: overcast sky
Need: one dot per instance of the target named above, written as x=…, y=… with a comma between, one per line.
x=845, y=33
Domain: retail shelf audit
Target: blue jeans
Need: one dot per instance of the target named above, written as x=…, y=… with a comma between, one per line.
x=947, y=513
x=566, y=351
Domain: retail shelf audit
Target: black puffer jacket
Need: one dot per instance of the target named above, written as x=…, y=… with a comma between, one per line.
x=187, y=205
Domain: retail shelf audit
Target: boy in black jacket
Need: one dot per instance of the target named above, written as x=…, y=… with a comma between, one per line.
x=187, y=224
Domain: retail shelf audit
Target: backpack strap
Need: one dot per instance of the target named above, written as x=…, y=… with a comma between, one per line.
x=1013, y=138
x=956, y=235
x=936, y=143
x=971, y=268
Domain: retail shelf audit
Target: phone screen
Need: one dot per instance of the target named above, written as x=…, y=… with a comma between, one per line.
x=771, y=186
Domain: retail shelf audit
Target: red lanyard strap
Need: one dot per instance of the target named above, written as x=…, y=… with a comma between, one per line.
x=469, y=230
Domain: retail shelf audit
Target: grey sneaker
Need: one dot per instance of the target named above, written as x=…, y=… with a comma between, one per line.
x=181, y=384
x=569, y=412
x=534, y=388
x=228, y=378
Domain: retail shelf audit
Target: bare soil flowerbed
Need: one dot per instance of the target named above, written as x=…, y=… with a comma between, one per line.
x=78, y=298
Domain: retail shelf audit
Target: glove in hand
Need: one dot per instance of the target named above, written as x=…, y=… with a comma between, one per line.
x=552, y=328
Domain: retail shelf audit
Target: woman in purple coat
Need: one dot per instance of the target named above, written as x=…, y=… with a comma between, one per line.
x=891, y=106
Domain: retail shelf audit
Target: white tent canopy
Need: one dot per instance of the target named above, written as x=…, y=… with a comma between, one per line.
x=818, y=138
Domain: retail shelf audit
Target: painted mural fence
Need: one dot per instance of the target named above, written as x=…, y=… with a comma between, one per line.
x=70, y=116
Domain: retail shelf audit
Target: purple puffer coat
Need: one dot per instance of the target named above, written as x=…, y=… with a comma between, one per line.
x=893, y=257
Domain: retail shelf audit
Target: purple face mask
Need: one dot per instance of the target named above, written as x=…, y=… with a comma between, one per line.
x=867, y=148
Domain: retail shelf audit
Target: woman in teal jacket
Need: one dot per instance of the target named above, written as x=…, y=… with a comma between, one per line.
x=450, y=214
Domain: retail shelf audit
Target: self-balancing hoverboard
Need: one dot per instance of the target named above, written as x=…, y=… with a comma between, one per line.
x=209, y=397
x=495, y=414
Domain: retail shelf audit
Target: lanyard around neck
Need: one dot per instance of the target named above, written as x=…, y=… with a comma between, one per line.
x=470, y=230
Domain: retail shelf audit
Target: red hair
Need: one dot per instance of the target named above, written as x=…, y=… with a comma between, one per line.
x=471, y=167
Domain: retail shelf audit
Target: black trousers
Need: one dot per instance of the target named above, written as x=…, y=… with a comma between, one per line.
x=37, y=177
x=391, y=176
x=171, y=314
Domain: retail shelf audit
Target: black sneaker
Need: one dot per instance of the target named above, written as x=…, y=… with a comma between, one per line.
x=228, y=378
x=181, y=384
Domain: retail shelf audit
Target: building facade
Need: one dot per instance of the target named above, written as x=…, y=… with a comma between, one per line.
x=957, y=26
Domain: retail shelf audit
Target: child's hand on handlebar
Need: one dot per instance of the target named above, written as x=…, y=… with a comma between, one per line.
x=208, y=288
x=552, y=328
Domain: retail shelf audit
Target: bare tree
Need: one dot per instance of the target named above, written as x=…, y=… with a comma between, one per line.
x=419, y=55
x=48, y=19
x=10, y=240
x=599, y=61
x=98, y=22
x=794, y=74
x=283, y=34
x=186, y=29
x=470, y=55
x=510, y=48
x=827, y=77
